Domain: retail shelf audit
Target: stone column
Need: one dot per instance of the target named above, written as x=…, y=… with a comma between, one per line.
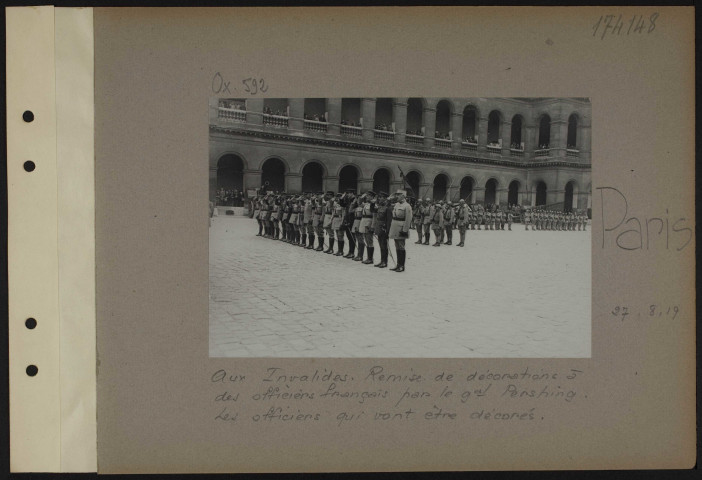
x=426, y=190
x=254, y=111
x=482, y=136
x=452, y=193
x=365, y=184
x=368, y=117
x=478, y=194
x=530, y=141
x=330, y=183
x=555, y=196
x=213, y=182
x=297, y=111
x=559, y=137
x=501, y=196
x=456, y=131
x=396, y=185
x=533, y=195
x=506, y=138
x=252, y=179
x=429, y=126
x=584, y=142
x=213, y=104
x=293, y=182
x=399, y=113
x=333, y=116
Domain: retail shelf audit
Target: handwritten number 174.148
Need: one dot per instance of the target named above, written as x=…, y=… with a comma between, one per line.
x=615, y=25
x=253, y=86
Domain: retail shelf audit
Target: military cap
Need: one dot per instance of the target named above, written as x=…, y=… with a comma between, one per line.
x=461, y=201
x=427, y=199
x=401, y=192
x=350, y=190
x=370, y=192
x=382, y=194
x=329, y=192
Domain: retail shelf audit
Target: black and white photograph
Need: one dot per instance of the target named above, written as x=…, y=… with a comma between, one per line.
x=397, y=227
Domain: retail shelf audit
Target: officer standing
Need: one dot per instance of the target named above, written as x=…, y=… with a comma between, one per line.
x=419, y=221
x=461, y=220
x=427, y=211
x=510, y=219
x=437, y=223
x=400, y=227
x=357, y=216
x=327, y=220
x=449, y=218
x=365, y=227
x=381, y=226
x=336, y=225
x=347, y=223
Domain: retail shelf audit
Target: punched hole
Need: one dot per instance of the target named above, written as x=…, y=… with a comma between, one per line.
x=29, y=166
x=28, y=116
x=30, y=323
x=32, y=370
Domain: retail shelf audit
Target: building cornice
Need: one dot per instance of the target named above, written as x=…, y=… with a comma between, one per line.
x=372, y=147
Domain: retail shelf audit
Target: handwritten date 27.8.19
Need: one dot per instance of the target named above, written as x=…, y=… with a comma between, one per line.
x=652, y=311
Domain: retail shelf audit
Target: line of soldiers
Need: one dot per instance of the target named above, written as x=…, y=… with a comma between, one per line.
x=444, y=217
x=541, y=219
x=302, y=219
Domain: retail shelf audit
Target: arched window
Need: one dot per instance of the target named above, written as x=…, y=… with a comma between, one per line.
x=273, y=175
x=415, y=116
x=276, y=112
x=491, y=191
x=513, y=193
x=544, y=132
x=230, y=180
x=348, y=178
x=312, y=176
x=316, y=109
x=494, y=128
x=516, y=133
x=384, y=114
x=232, y=109
x=443, y=120
x=573, y=132
x=470, y=116
x=413, y=179
x=381, y=181
x=541, y=193
x=466, y=192
x=351, y=112
x=440, y=187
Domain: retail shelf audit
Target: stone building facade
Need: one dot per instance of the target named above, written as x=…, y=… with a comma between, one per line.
x=529, y=151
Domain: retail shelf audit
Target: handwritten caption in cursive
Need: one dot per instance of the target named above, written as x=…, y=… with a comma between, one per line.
x=377, y=395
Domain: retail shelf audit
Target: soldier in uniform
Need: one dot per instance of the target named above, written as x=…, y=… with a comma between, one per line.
x=308, y=212
x=337, y=225
x=295, y=229
x=419, y=221
x=257, y=210
x=400, y=227
x=365, y=227
x=461, y=220
x=357, y=216
x=510, y=219
x=427, y=212
x=449, y=218
x=314, y=223
x=274, y=218
x=437, y=223
x=527, y=219
x=327, y=220
x=381, y=226
x=347, y=201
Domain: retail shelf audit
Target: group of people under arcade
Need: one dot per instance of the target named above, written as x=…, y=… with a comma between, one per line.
x=300, y=219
